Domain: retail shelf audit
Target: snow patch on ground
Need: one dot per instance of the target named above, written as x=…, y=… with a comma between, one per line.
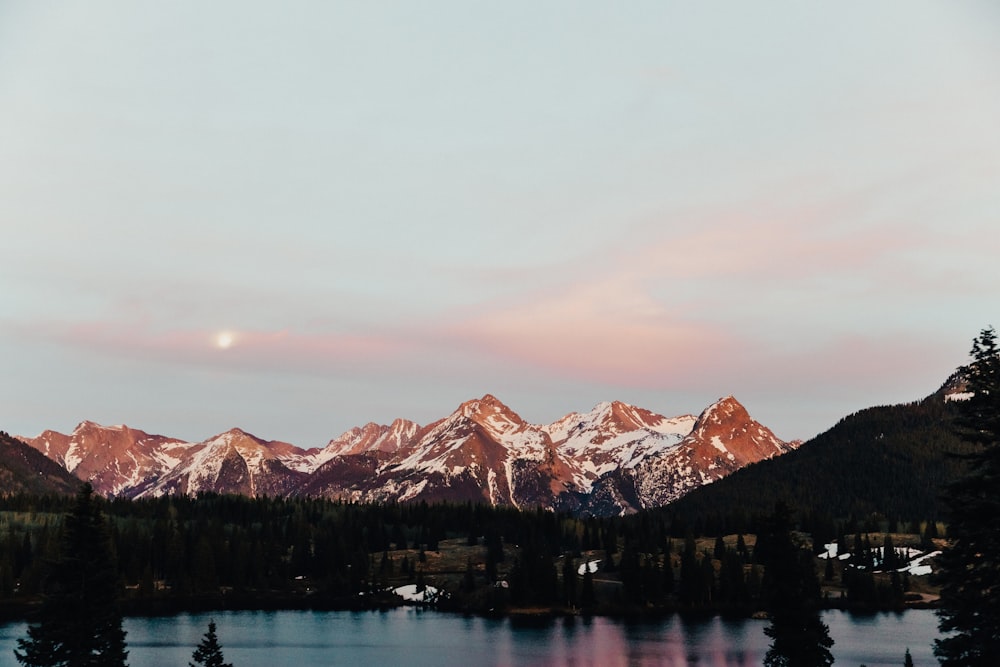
x=409, y=593
x=917, y=560
x=919, y=566
x=589, y=565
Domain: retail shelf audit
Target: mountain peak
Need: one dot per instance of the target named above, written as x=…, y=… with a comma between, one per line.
x=490, y=412
x=233, y=435
x=727, y=427
x=86, y=425
x=487, y=402
x=726, y=409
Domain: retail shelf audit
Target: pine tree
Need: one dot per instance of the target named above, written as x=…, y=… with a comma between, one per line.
x=791, y=594
x=668, y=575
x=209, y=651
x=587, y=598
x=970, y=568
x=569, y=581
x=79, y=624
x=720, y=548
x=908, y=659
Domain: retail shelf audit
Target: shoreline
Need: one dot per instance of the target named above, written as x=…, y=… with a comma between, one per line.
x=14, y=612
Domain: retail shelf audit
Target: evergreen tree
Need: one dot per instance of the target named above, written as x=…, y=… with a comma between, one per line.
x=732, y=583
x=907, y=659
x=587, y=597
x=720, y=548
x=889, y=561
x=690, y=590
x=79, y=624
x=970, y=568
x=791, y=594
x=469, y=578
x=668, y=575
x=209, y=651
x=569, y=581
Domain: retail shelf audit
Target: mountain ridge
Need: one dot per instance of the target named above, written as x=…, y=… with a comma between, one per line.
x=482, y=451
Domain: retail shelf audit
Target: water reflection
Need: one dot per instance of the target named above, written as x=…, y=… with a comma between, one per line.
x=415, y=637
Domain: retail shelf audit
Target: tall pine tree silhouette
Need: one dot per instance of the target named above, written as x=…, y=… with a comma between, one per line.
x=970, y=566
x=791, y=593
x=209, y=651
x=79, y=624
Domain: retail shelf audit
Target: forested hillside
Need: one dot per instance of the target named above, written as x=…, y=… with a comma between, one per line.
x=26, y=470
x=884, y=463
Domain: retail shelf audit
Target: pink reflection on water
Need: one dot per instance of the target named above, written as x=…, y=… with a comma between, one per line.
x=602, y=642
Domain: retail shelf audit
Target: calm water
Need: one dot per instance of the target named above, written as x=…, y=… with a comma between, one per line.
x=414, y=637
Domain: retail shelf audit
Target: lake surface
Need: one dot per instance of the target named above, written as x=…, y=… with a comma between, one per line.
x=410, y=636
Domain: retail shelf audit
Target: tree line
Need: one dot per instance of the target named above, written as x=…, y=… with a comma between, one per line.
x=220, y=551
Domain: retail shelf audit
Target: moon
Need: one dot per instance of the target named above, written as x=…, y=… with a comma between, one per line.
x=224, y=340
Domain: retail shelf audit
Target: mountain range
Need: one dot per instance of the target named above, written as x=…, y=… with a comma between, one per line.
x=614, y=459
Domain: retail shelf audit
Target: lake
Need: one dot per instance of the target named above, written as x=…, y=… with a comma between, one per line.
x=410, y=636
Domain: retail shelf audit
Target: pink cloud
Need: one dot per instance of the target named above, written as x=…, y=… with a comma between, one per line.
x=713, y=301
x=605, y=331
x=249, y=349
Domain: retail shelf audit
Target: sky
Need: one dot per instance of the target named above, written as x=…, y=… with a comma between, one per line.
x=300, y=217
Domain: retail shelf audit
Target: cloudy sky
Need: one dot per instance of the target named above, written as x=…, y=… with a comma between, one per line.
x=300, y=217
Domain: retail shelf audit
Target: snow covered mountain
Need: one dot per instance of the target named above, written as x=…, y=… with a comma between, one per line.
x=724, y=439
x=612, y=436
x=234, y=462
x=369, y=438
x=615, y=458
x=115, y=459
x=483, y=451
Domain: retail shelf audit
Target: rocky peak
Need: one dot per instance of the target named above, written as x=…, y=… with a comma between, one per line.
x=726, y=426
x=248, y=444
x=86, y=425
x=487, y=405
x=631, y=418
x=236, y=433
x=491, y=413
x=725, y=412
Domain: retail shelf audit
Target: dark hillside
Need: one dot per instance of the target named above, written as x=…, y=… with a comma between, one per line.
x=26, y=470
x=890, y=461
